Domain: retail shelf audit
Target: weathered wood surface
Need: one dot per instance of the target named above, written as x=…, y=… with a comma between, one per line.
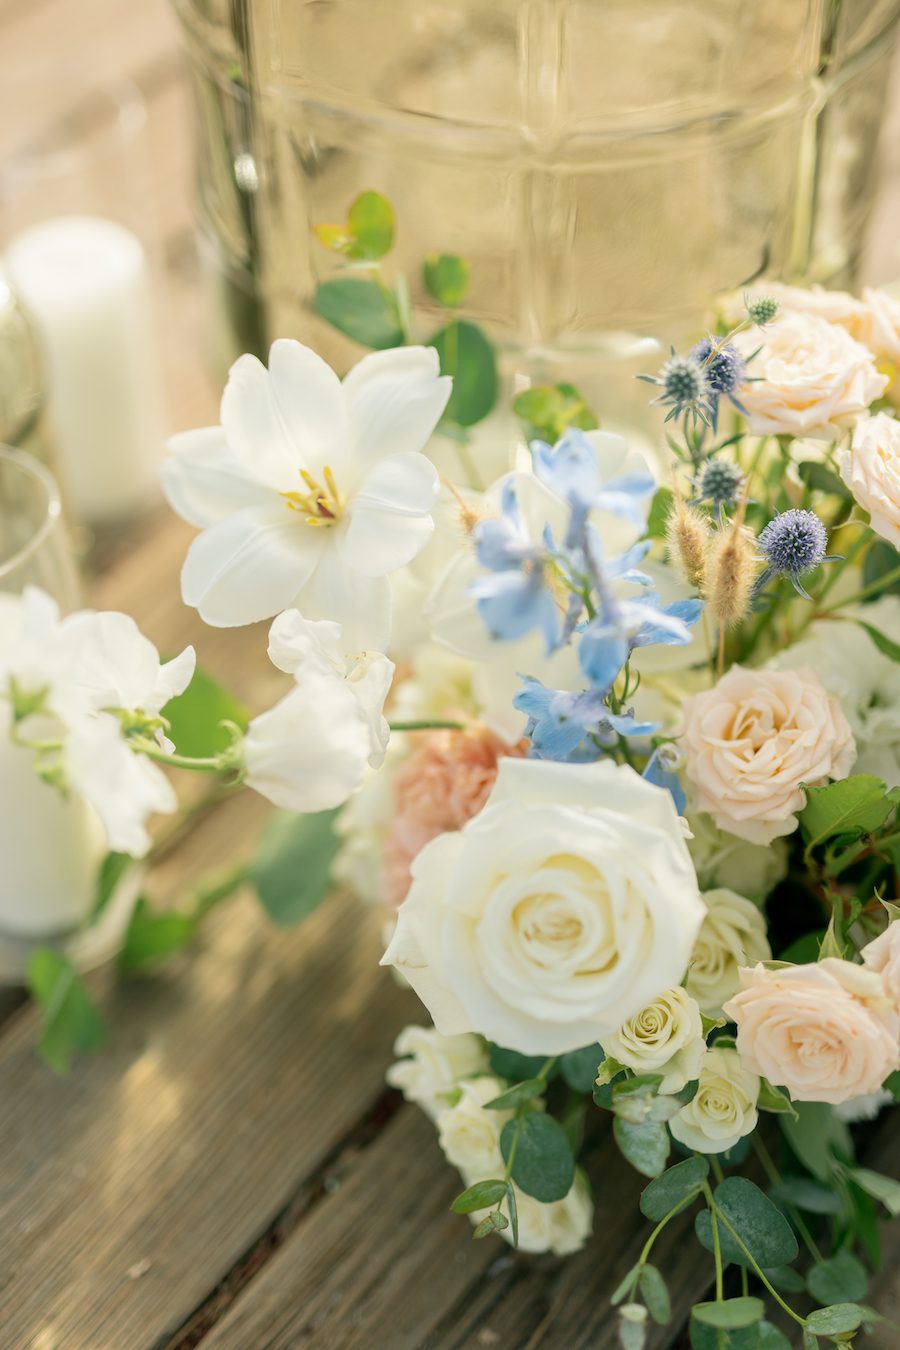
x=230, y=1171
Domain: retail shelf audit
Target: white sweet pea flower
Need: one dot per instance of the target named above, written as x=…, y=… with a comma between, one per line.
x=311, y=751
x=297, y=645
x=312, y=490
x=124, y=788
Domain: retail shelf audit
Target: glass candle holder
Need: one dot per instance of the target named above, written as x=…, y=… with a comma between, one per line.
x=52, y=846
x=78, y=223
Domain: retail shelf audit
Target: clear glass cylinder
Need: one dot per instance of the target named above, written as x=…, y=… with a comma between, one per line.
x=52, y=846
x=605, y=168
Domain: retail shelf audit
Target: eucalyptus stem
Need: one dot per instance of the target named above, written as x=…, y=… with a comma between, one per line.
x=757, y=1268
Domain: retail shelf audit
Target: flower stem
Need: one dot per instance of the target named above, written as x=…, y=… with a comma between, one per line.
x=197, y=764
x=438, y=724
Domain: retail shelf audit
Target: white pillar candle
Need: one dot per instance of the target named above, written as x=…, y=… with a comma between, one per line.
x=51, y=846
x=85, y=281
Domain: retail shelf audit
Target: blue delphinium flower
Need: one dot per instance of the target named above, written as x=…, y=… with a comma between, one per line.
x=662, y=770
x=513, y=598
x=570, y=469
x=792, y=544
x=564, y=725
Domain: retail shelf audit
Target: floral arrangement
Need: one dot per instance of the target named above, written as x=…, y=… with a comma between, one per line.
x=632, y=810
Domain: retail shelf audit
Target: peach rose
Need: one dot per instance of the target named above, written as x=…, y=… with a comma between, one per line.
x=752, y=740
x=810, y=378
x=443, y=783
x=871, y=470
x=825, y=1031
x=873, y=320
x=882, y=956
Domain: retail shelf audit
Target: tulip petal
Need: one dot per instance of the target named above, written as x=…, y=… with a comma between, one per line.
x=204, y=481
x=395, y=400
x=312, y=406
x=390, y=520
x=254, y=427
x=249, y=566
x=361, y=604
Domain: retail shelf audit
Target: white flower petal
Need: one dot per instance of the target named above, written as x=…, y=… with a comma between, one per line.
x=370, y=684
x=312, y=405
x=254, y=428
x=361, y=604
x=123, y=788
x=389, y=518
x=249, y=566
x=204, y=481
x=395, y=401
x=294, y=640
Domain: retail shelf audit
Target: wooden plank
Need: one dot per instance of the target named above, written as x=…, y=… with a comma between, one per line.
x=382, y=1261
x=130, y=1189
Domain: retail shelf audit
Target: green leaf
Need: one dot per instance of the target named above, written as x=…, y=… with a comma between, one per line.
x=480, y=1196
x=892, y=1085
x=770, y=1338
x=858, y=804
x=543, y=1166
x=291, y=871
x=549, y=410
x=633, y=1099
x=70, y=1021
x=495, y=1222
x=882, y=641
x=819, y=477
x=517, y=1095
x=774, y=1099
x=840, y=1278
x=370, y=221
x=705, y=1337
x=645, y=1146
x=804, y=1193
x=446, y=278
x=195, y=717
x=831, y=945
x=153, y=936
x=467, y=355
x=111, y=871
x=677, y=1186
x=655, y=1294
x=815, y=1135
x=785, y=1278
x=881, y=559
x=361, y=309
x=730, y=1313
x=833, y=1321
x=660, y=507
x=882, y=1188
x=579, y=1067
x=759, y=1224
x=517, y=1068
x=623, y=1290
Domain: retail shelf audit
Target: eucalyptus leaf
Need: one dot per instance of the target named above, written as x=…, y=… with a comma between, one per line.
x=815, y=1135
x=579, y=1067
x=467, y=355
x=731, y=1313
x=542, y=1165
x=807, y=1194
x=756, y=1221
x=835, y=1320
x=882, y=641
x=818, y=476
x=446, y=278
x=517, y=1068
x=371, y=225
x=152, y=936
x=291, y=871
x=675, y=1188
x=495, y=1222
x=655, y=1294
x=840, y=1278
x=880, y=561
x=882, y=1188
x=480, y=1196
x=70, y=1021
x=516, y=1095
x=360, y=308
x=645, y=1146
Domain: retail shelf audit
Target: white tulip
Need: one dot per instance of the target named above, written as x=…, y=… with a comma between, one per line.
x=312, y=490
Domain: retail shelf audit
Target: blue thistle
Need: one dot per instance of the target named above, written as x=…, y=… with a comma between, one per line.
x=685, y=388
x=726, y=371
x=792, y=544
x=762, y=309
x=720, y=483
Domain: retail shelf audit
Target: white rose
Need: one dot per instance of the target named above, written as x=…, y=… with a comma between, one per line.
x=871, y=470
x=560, y=910
x=879, y=326
x=865, y=682
x=665, y=1037
x=434, y=1065
x=732, y=935
x=721, y=859
x=561, y=1227
x=724, y=1107
x=469, y=1135
x=810, y=378
x=882, y=955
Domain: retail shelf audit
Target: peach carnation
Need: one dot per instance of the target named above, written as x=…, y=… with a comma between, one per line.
x=443, y=783
x=826, y=1031
x=754, y=739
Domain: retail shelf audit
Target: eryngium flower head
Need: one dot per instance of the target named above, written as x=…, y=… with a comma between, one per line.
x=762, y=309
x=720, y=482
x=724, y=366
x=685, y=388
x=792, y=544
